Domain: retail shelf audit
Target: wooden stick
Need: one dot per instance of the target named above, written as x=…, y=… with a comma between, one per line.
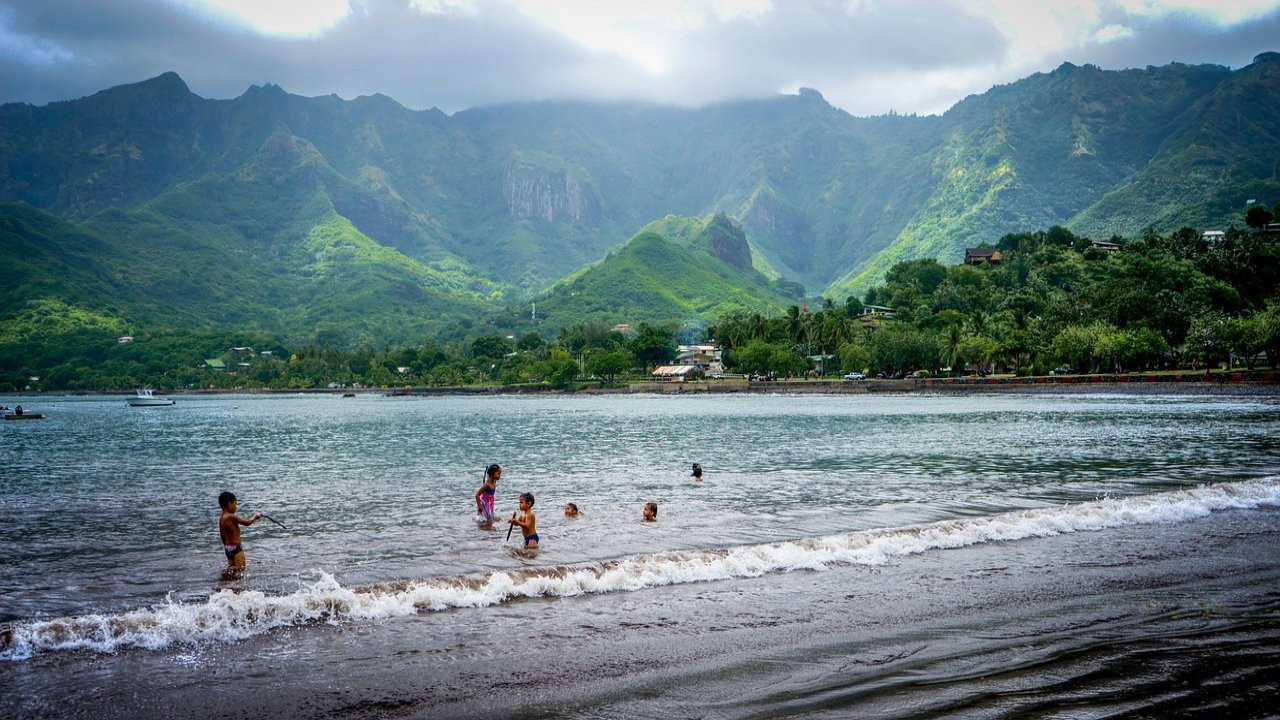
x=274, y=521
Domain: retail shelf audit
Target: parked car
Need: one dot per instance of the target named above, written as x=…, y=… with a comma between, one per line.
x=1061, y=370
x=854, y=376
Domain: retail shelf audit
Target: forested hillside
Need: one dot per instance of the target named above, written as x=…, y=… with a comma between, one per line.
x=147, y=210
x=521, y=195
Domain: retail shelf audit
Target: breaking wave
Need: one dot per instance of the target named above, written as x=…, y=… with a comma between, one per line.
x=229, y=616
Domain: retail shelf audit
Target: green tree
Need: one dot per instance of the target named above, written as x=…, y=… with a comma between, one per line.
x=754, y=357
x=1206, y=341
x=608, y=365
x=653, y=346
x=1258, y=216
x=530, y=341
x=491, y=346
x=854, y=357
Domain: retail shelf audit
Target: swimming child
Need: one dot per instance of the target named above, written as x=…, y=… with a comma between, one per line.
x=484, y=496
x=527, y=521
x=697, y=472
x=229, y=528
x=651, y=512
x=571, y=510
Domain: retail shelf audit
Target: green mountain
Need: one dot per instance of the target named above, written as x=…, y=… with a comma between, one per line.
x=1050, y=149
x=694, y=272
x=363, y=221
x=261, y=248
x=1220, y=154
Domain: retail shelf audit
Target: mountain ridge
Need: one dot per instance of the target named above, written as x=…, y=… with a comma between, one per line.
x=496, y=206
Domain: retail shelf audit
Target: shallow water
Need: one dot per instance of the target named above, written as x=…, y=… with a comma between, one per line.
x=111, y=515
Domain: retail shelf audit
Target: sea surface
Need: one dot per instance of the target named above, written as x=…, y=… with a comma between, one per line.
x=844, y=556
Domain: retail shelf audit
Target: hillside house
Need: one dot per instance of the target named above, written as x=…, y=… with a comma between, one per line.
x=1214, y=235
x=704, y=356
x=214, y=364
x=1106, y=245
x=982, y=256
x=124, y=339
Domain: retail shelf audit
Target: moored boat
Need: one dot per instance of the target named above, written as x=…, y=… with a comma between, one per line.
x=144, y=398
x=19, y=414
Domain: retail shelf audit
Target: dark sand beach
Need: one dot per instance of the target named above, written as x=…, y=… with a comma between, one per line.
x=1176, y=620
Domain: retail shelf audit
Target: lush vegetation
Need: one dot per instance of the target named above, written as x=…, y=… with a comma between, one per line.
x=1054, y=300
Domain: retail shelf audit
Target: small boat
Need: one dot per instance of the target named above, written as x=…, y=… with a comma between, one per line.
x=144, y=398
x=348, y=394
x=18, y=414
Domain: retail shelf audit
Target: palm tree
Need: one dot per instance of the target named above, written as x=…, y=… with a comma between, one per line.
x=951, y=346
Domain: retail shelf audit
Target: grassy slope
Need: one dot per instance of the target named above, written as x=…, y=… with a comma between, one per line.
x=653, y=279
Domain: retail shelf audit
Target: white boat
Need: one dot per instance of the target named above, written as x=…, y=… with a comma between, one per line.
x=146, y=399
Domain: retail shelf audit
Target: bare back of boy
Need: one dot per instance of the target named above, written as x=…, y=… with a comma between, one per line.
x=229, y=528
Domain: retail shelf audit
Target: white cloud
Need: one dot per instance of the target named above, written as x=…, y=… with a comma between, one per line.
x=274, y=17
x=1222, y=12
x=642, y=32
x=29, y=49
x=1112, y=32
x=865, y=56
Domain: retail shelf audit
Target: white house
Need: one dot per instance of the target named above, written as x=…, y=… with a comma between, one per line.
x=706, y=356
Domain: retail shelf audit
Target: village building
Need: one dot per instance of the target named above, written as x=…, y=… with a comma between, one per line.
x=705, y=356
x=678, y=373
x=982, y=256
x=878, y=310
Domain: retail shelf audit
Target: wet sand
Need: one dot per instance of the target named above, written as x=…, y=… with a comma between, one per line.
x=1179, y=620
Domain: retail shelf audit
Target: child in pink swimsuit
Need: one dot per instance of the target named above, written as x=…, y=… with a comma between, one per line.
x=485, y=495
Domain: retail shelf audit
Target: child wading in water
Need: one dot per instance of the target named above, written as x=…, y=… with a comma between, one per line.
x=527, y=521
x=484, y=496
x=651, y=512
x=229, y=528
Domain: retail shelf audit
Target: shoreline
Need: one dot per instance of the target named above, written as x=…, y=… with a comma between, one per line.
x=1256, y=383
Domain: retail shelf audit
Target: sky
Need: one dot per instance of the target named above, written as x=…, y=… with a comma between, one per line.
x=867, y=57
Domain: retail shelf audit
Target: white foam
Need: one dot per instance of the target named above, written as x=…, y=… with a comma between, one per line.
x=229, y=616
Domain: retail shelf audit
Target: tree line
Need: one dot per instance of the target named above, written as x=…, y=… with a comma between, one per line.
x=1053, y=299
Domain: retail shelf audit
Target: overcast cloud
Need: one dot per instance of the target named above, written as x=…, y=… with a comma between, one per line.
x=866, y=56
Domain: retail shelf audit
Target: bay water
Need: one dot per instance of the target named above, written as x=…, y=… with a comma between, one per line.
x=109, y=517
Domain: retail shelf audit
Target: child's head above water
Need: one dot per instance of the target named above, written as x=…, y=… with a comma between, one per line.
x=570, y=510
x=651, y=511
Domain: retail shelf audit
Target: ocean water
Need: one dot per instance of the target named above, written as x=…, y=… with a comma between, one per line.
x=833, y=545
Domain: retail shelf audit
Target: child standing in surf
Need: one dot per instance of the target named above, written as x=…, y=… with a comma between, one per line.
x=527, y=521
x=229, y=528
x=484, y=496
